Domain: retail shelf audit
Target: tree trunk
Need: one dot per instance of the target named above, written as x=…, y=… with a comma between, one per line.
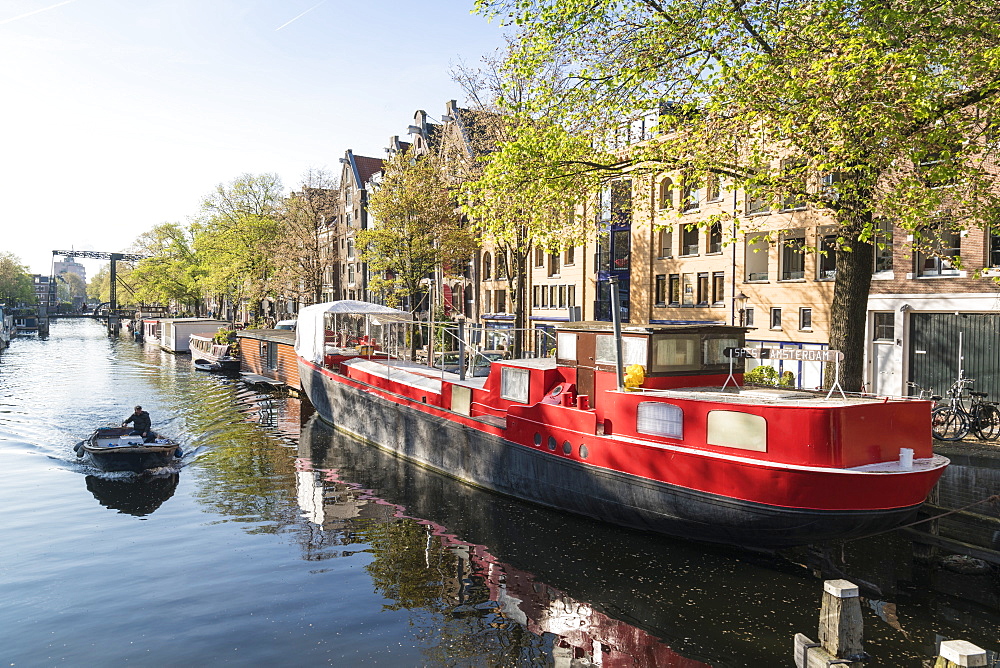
x=517, y=284
x=850, y=308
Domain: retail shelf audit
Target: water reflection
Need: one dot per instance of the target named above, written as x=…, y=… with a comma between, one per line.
x=481, y=608
x=138, y=496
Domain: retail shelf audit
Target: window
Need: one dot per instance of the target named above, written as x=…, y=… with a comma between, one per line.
x=775, y=318
x=792, y=255
x=883, y=245
x=501, y=297
x=689, y=240
x=350, y=249
x=621, y=202
x=805, y=318
x=545, y=296
x=715, y=238
x=539, y=257
x=535, y=300
x=488, y=301
x=748, y=317
x=271, y=355
x=757, y=205
x=826, y=263
x=553, y=296
x=566, y=346
x=703, y=289
x=514, y=384
x=570, y=295
x=347, y=218
x=665, y=242
x=690, y=196
x=661, y=290
x=993, y=254
x=757, y=250
x=501, y=265
x=487, y=266
x=349, y=197
x=659, y=419
x=676, y=352
x=939, y=249
x=620, y=250
x=633, y=350
x=350, y=274
x=733, y=429
x=718, y=288
x=562, y=296
x=687, y=286
x=666, y=194
x=884, y=327
x=569, y=257
x=553, y=264
x=713, y=193
x=675, y=289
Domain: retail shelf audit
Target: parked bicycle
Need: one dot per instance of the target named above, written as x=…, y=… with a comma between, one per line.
x=952, y=421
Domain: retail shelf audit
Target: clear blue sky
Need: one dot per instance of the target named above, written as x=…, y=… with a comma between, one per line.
x=119, y=115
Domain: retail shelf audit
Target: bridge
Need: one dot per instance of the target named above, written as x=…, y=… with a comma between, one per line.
x=113, y=323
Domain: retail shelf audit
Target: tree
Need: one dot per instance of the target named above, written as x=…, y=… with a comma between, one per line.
x=70, y=286
x=173, y=272
x=16, y=285
x=303, y=255
x=859, y=108
x=416, y=228
x=237, y=236
x=512, y=193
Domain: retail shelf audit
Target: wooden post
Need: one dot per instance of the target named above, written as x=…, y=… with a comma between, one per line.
x=956, y=653
x=840, y=630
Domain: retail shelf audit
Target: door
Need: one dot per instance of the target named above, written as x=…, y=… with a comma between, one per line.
x=585, y=351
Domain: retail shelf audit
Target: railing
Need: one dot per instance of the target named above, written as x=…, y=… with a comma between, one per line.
x=757, y=276
x=792, y=275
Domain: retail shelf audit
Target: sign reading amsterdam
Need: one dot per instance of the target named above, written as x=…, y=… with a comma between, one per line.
x=796, y=354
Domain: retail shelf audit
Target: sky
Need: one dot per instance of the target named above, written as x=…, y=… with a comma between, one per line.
x=119, y=115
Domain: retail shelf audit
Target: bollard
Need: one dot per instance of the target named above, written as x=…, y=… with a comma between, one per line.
x=840, y=630
x=959, y=653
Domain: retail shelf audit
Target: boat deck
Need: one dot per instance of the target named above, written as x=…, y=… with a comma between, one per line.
x=411, y=374
x=763, y=396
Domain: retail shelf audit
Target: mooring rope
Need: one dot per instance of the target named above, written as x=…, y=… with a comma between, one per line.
x=994, y=498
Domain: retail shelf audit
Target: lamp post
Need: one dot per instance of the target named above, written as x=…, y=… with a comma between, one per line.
x=739, y=301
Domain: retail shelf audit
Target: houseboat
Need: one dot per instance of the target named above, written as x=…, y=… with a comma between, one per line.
x=208, y=355
x=175, y=335
x=152, y=330
x=267, y=356
x=680, y=447
x=6, y=327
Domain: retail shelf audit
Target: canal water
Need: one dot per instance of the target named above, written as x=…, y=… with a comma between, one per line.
x=276, y=542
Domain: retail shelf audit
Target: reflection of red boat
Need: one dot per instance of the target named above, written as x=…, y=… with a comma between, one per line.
x=679, y=455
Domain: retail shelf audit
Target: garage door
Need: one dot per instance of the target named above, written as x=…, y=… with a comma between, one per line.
x=934, y=350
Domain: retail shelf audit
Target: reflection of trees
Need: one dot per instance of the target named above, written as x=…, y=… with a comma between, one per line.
x=411, y=568
x=451, y=605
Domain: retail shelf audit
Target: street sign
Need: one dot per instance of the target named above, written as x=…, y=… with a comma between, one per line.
x=796, y=354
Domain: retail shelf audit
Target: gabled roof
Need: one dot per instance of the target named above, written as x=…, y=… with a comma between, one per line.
x=366, y=167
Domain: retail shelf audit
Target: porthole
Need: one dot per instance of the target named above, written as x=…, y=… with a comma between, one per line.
x=538, y=438
x=567, y=447
x=584, y=452
x=552, y=443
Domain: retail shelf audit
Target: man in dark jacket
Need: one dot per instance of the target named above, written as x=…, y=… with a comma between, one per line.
x=141, y=425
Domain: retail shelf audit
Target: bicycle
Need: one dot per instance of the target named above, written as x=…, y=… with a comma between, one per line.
x=953, y=421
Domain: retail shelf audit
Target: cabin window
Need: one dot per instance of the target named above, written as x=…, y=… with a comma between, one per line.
x=566, y=346
x=514, y=384
x=633, y=350
x=272, y=356
x=659, y=419
x=715, y=351
x=732, y=429
x=676, y=352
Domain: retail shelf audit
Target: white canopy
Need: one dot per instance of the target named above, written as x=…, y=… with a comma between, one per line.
x=310, y=332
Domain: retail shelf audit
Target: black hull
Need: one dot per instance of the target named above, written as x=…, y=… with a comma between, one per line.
x=493, y=463
x=122, y=459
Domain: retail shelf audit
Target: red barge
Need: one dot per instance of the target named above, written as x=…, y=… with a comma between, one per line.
x=686, y=452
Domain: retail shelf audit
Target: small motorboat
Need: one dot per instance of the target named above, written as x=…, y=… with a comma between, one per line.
x=223, y=364
x=116, y=449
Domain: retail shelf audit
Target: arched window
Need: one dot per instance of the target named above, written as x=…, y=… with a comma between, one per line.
x=666, y=194
x=487, y=266
x=660, y=419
